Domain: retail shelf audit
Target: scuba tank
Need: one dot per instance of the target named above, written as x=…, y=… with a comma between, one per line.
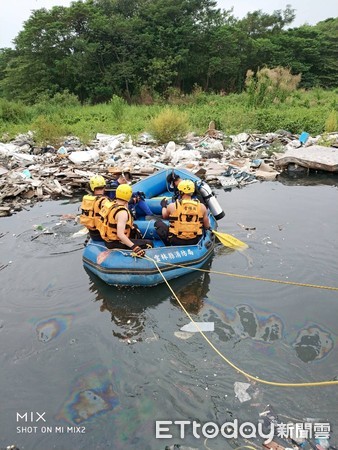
x=210, y=200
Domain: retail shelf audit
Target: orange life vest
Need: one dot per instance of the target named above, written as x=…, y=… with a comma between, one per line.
x=90, y=206
x=186, y=222
x=108, y=222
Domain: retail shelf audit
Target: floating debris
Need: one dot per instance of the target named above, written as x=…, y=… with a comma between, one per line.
x=241, y=391
x=245, y=227
x=195, y=327
x=183, y=335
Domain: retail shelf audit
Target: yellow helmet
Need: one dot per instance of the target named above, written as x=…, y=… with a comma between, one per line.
x=186, y=186
x=97, y=181
x=124, y=192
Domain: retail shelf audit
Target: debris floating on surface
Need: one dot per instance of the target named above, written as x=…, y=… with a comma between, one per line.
x=195, y=327
x=241, y=391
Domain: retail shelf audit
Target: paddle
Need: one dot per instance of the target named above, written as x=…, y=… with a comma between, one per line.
x=230, y=241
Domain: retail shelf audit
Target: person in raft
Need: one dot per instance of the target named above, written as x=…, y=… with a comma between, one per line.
x=173, y=180
x=187, y=218
x=137, y=205
x=91, y=205
x=117, y=226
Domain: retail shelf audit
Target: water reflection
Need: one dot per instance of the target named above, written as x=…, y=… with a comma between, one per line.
x=192, y=295
x=128, y=306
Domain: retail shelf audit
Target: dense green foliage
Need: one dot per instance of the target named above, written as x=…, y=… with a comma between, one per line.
x=313, y=111
x=138, y=50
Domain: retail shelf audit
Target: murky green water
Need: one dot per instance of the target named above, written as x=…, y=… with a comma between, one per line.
x=110, y=362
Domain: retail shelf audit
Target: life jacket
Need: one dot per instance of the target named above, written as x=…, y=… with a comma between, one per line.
x=108, y=223
x=186, y=222
x=90, y=206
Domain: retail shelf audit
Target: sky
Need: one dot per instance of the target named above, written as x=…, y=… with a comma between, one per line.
x=15, y=12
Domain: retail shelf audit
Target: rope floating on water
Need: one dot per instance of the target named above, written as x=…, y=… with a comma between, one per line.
x=247, y=375
x=252, y=277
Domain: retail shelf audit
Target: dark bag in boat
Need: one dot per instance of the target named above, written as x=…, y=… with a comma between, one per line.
x=162, y=230
x=135, y=233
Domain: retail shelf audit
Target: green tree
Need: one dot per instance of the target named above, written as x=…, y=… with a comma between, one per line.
x=259, y=24
x=48, y=37
x=298, y=49
x=99, y=48
x=328, y=64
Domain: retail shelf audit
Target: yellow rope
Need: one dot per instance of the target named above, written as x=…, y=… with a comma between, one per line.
x=251, y=377
x=251, y=277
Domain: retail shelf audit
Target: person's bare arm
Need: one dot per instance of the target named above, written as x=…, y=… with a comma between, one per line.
x=122, y=218
x=206, y=222
x=168, y=210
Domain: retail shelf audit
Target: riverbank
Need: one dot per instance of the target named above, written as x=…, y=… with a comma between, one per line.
x=29, y=173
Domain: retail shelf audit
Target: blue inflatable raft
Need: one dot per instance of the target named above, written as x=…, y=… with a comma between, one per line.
x=118, y=267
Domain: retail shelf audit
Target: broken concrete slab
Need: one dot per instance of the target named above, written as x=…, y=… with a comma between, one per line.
x=314, y=157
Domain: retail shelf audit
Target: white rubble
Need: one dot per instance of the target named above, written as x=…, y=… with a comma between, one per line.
x=84, y=156
x=28, y=172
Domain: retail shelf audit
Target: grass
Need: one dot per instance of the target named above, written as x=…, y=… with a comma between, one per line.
x=312, y=111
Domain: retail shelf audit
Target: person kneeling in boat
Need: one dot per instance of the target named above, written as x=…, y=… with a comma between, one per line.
x=187, y=217
x=137, y=205
x=91, y=205
x=117, y=227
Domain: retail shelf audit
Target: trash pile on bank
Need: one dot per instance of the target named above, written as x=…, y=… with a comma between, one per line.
x=29, y=173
